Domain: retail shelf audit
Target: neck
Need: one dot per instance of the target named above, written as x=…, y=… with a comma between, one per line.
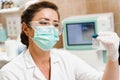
x=41, y=59
x=38, y=55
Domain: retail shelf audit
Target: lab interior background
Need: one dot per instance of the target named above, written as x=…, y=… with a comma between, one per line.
x=69, y=8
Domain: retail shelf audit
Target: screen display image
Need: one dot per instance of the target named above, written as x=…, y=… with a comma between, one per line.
x=80, y=33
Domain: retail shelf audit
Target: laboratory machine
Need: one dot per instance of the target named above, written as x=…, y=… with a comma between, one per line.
x=77, y=36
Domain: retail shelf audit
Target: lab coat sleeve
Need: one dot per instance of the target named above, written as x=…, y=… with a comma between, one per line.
x=83, y=71
x=5, y=75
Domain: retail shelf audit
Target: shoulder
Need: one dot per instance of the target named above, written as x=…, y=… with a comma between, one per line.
x=5, y=75
x=15, y=65
x=66, y=55
x=12, y=68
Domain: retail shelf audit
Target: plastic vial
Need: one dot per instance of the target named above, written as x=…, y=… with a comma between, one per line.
x=95, y=42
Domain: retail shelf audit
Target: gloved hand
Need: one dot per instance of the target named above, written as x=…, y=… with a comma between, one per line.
x=110, y=41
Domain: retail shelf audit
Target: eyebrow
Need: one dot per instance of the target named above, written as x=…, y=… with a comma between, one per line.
x=48, y=19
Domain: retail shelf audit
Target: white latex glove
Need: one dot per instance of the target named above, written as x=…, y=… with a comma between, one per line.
x=110, y=41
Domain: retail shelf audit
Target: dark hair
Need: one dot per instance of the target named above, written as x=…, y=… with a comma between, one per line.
x=29, y=13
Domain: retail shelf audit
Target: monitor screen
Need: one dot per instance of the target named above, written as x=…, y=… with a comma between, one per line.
x=77, y=33
x=80, y=33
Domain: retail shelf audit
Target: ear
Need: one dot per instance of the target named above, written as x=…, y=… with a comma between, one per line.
x=25, y=29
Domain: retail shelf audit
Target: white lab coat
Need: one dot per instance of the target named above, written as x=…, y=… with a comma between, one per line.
x=64, y=66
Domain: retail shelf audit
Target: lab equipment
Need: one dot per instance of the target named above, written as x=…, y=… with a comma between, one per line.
x=95, y=42
x=95, y=57
x=13, y=26
x=12, y=51
x=78, y=30
x=3, y=34
x=78, y=33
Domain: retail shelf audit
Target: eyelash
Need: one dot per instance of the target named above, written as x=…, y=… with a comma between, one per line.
x=43, y=22
x=46, y=23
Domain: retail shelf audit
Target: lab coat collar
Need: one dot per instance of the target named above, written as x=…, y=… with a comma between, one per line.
x=37, y=73
x=54, y=57
x=30, y=63
x=28, y=60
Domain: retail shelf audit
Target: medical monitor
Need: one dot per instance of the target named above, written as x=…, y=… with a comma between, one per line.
x=78, y=30
x=77, y=33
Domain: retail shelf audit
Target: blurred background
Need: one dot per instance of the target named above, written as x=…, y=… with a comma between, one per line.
x=69, y=8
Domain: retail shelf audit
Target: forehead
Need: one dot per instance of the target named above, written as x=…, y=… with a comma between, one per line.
x=46, y=13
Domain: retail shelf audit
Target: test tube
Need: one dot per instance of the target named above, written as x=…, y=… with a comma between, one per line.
x=95, y=42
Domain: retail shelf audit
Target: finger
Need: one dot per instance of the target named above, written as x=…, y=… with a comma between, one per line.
x=106, y=38
x=108, y=33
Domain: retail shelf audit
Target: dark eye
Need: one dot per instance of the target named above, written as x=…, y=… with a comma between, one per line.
x=43, y=23
x=56, y=25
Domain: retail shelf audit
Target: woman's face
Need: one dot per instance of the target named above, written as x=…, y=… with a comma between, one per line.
x=45, y=15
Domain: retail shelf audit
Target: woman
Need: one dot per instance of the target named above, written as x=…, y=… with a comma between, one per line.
x=40, y=32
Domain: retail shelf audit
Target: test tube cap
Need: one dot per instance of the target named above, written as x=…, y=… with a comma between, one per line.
x=94, y=35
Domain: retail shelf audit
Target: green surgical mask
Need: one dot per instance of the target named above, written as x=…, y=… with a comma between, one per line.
x=45, y=37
